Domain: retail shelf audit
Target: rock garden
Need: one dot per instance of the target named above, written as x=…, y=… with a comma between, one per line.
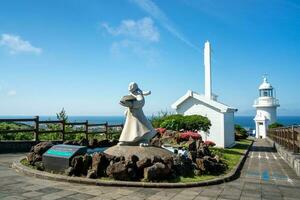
x=192, y=160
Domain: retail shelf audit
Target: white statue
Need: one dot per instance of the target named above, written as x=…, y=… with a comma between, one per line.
x=137, y=129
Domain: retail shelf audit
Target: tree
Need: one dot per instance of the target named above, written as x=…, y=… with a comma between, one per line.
x=275, y=125
x=240, y=132
x=62, y=115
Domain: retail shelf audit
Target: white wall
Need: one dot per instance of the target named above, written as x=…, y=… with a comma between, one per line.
x=261, y=130
x=216, y=133
x=229, y=129
x=268, y=112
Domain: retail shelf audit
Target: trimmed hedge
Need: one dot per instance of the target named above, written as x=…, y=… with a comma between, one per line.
x=179, y=122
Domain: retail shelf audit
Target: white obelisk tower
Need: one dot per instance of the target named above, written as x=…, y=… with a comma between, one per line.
x=266, y=105
x=207, y=69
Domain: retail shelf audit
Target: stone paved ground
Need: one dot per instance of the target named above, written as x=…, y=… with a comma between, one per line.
x=264, y=176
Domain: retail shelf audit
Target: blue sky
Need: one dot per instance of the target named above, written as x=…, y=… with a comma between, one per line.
x=81, y=55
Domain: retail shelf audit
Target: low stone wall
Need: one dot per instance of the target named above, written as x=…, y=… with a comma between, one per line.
x=292, y=159
x=18, y=146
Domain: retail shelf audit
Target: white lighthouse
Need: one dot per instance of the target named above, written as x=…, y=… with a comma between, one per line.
x=266, y=105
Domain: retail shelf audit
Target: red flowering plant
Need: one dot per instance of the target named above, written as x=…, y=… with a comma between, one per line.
x=190, y=134
x=161, y=131
x=210, y=143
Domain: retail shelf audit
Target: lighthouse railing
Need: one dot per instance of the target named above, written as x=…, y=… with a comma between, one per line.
x=288, y=137
x=266, y=101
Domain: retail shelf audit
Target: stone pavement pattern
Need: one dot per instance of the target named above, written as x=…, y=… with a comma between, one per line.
x=264, y=176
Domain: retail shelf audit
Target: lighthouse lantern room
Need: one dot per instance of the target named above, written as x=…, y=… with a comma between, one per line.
x=266, y=105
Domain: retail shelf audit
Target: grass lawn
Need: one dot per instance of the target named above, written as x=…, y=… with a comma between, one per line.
x=231, y=156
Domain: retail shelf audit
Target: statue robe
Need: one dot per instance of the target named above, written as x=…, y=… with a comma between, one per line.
x=137, y=128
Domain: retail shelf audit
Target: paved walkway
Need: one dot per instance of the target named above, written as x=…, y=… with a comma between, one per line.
x=264, y=176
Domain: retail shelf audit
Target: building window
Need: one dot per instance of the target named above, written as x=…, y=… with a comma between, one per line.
x=266, y=93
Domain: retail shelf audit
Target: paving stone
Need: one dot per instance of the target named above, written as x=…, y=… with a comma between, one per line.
x=211, y=192
x=204, y=198
x=14, y=198
x=248, y=198
x=2, y=195
x=49, y=190
x=81, y=196
x=32, y=194
x=49, y=197
x=164, y=194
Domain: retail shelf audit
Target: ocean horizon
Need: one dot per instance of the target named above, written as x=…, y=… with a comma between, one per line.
x=244, y=121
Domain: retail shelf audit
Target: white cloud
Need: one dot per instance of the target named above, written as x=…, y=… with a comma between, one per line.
x=16, y=44
x=144, y=53
x=153, y=10
x=11, y=93
x=143, y=29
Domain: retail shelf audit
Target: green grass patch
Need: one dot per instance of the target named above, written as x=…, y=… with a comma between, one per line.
x=231, y=156
x=25, y=162
x=193, y=179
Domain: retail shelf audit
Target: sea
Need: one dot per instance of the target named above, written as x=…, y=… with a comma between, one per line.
x=244, y=121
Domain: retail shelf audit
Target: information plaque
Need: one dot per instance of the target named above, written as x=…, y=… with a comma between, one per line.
x=58, y=158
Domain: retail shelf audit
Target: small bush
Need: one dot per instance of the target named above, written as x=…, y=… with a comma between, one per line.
x=173, y=122
x=24, y=136
x=15, y=136
x=210, y=143
x=196, y=122
x=189, y=123
x=161, y=131
x=275, y=125
x=240, y=132
x=156, y=120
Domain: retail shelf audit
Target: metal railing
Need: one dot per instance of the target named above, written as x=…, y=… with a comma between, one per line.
x=266, y=101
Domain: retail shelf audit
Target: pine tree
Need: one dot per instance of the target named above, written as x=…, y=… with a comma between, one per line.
x=62, y=115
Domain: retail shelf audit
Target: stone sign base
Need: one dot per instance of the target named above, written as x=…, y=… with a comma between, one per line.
x=141, y=152
x=58, y=158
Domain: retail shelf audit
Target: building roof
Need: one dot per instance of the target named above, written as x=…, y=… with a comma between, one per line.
x=213, y=103
x=265, y=84
x=260, y=117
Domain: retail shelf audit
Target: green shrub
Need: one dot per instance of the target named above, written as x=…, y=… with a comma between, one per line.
x=171, y=124
x=275, y=125
x=15, y=136
x=240, y=132
x=156, y=120
x=24, y=136
x=189, y=123
x=196, y=122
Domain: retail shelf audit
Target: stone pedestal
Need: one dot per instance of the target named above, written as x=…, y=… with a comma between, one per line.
x=141, y=152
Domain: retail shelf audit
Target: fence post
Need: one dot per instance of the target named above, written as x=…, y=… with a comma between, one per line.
x=294, y=140
x=87, y=130
x=36, y=131
x=63, y=129
x=106, y=130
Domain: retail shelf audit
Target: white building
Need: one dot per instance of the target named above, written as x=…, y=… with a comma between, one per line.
x=266, y=106
x=220, y=115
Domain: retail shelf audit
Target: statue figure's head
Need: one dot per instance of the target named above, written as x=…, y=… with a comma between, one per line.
x=134, y=89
